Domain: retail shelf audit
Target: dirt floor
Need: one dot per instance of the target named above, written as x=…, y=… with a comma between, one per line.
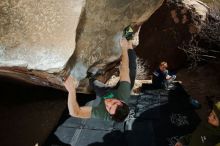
x=28, y=113
x=201, y=82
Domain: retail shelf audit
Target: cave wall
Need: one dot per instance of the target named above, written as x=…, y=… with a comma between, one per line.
x=174, y=23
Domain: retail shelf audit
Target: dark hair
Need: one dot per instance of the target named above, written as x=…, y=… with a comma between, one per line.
x=121, y=113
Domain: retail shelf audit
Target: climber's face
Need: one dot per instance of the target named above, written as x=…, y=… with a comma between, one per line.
x=163, y=67
x=111, y=105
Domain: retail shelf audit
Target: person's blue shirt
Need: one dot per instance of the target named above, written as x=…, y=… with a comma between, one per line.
x=159, y=78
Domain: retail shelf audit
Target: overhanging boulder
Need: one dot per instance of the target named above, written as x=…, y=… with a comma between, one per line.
x=37, y=38
x=40, y=41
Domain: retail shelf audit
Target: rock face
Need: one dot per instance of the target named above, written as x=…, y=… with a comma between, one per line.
x=174, y=23
x=37, y=38
x=43, y=40
x=38, y=35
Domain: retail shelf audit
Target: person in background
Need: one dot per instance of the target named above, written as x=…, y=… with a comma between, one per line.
x=207, y=133
x=161, y=78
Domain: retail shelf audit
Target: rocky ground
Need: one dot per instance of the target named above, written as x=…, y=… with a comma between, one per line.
x=200, y=82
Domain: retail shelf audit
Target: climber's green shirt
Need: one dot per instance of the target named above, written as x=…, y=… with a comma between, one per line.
x=122, y=93
x=204, y=135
